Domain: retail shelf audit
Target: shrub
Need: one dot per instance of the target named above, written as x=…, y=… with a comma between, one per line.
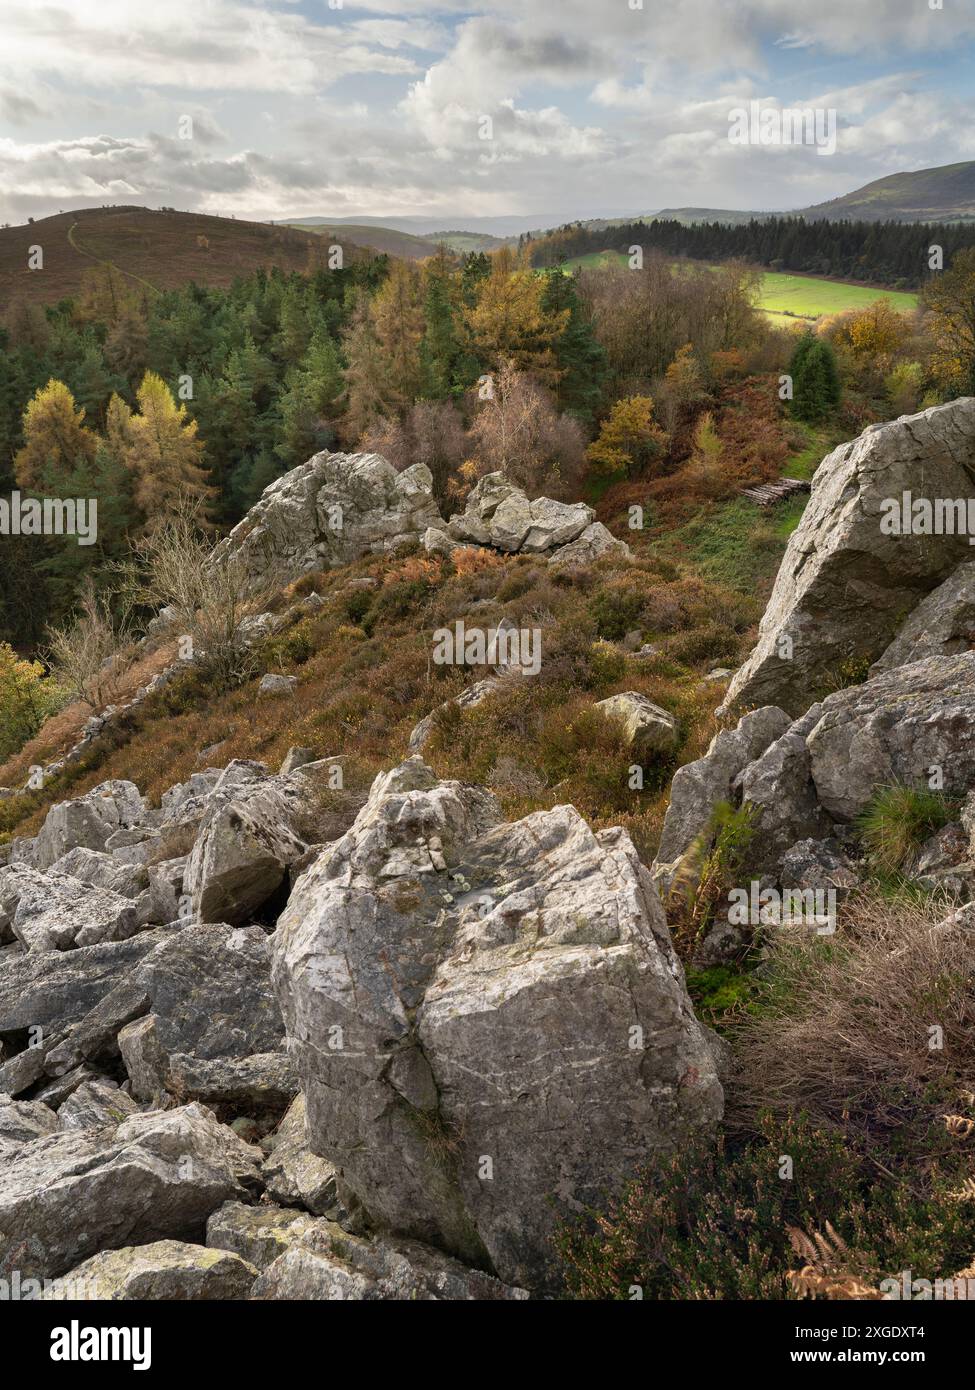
x=716, y=1221
x=27, y=698
x=90, y=654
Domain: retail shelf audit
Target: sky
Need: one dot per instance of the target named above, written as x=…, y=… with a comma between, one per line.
x=553, y=109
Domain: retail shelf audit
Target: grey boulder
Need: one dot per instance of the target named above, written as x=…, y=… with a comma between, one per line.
x=468, y=1003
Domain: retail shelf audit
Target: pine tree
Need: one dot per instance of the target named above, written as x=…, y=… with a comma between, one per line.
x=440, y=350
x=581, y=359
x=815, y=380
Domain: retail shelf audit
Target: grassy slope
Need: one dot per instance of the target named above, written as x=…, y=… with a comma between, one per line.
x=156, y=249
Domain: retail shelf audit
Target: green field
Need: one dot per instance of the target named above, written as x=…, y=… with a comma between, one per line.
x=799, y=296
x=784, y=297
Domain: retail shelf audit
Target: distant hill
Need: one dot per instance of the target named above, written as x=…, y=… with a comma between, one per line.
x=394, y=242
x=945, y=193
x=385, y=240
x=942, y=194
x=691, y=216
x=154, y=249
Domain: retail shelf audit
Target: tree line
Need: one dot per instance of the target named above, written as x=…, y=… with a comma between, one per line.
x=895, y=254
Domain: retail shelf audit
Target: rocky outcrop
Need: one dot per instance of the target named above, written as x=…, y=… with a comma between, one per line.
x=330, y=511
x=811, y=782
x=294, y=1175
x=501, y=516
x=469, y=1002
x=65, y=1197
x=212, y=1030
x=53, y=912
x=257, y=1234
x=846, y=583
x=590, y=545
x=87, y=821
x=245, y=844
x=699, y=786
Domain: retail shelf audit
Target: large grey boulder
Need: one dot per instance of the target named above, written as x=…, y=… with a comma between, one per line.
x=94, y=1104
x=88, y=821
x=845, y=588
x=590, y=545
x=468, y=1003
x=102, y=870
x=53, y=990
x=811, y=782
x=943, y=624
x=894, y=729
x=68, y=1196
x=244, y=846
x=294, y=1175
x=257, y=1234
x=170, y=1270
x=326, y=1263
x=22, y=1121
x=330, y=511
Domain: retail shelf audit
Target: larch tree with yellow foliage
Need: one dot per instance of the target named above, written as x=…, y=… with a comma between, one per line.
x=509, y=323
x=56, y=439
x=162, y=452
x=398, y=323
x=629, y=439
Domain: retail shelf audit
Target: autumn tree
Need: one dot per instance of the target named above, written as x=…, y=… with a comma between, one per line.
x=55, y=437
x=398, y=323
x=629, y=440
x=509, y=322
x=163, y=453
x=949, y=297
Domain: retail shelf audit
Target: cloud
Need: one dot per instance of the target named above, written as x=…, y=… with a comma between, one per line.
x=379, y=107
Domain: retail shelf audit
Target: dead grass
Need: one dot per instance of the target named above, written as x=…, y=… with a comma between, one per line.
x=872, y=1028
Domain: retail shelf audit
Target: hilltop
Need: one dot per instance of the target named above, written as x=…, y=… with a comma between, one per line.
x=945, y=193
x=156, y=249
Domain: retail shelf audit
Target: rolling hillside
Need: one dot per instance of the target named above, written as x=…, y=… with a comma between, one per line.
x=943, y=194
x=155, y=250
